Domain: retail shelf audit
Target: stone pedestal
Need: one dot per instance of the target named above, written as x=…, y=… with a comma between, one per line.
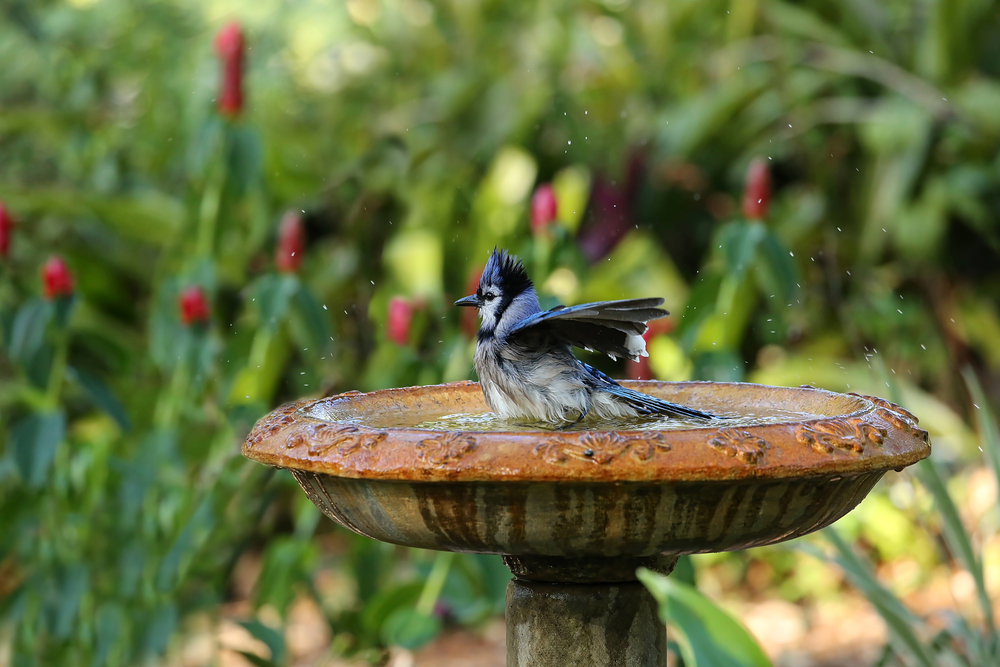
x=583, y=625
x=564, y=622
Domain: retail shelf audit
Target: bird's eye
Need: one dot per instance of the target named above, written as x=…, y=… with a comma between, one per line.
x=490, y=296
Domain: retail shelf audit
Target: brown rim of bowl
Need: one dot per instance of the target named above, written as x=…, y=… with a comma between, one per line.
x=874, y=435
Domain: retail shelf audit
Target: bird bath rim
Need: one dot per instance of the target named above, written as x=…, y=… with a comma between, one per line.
x=852, y=435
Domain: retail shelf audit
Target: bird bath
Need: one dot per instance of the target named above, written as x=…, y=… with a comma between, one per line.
x=575, y=513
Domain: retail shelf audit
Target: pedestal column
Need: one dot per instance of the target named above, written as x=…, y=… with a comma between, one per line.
x=575, y=613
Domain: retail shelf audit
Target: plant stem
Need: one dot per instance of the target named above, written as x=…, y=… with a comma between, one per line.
x=435, y=583
x=211, y=205
x=167, y=409
x=58, y=370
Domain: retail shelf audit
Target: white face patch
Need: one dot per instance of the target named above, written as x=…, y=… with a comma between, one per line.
x=490, y=304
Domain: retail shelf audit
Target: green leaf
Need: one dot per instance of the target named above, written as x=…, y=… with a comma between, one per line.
x=314, y=320
x=100, y=395
x=286, y=563
x=986, y=422
x=165, y=330
x=370, y=562
x=389, y=599
x=244, y=157
x=150, y=217
x=777, y=273
x=161, y=627
x=901, y=621
x=707, y=635
x=955, y=533
x=108, y=627
x=34, y=440
x=409, y=628
x=73, y=583
x=256, y=660
x=28, y=331
x=739, y=241
x=185, y=546
x=273, y=294
x=274, y=640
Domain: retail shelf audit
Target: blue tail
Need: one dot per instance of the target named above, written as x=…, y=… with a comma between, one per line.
x=642, y=403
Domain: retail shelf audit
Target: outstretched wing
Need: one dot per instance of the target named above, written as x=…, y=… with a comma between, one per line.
x=612, y=327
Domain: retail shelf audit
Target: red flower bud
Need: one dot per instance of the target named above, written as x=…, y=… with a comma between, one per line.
x=56, y=278
x=400, y=318
x=757, y=196
x=229, y=45
x=194, y=306
x=544, y=208
x=6, y=230
x=291, y=243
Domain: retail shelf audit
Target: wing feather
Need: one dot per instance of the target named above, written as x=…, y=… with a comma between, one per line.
x=604, y=326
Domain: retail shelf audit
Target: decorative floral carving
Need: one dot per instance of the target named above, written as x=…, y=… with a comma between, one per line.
x=899, y=417
x=892, y=407
x=851, y=435
x=744, y=445
x=271, y=424
x=602, y=447
x=321, y=437
x=447, y=448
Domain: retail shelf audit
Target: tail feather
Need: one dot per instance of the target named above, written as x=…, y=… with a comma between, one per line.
x=642, y=403
x=645, y=404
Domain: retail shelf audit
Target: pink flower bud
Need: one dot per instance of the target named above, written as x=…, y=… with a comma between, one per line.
x=229, y=42
x=194, y=306
x=229, y=45
x=757, y=196
x=56, y=278
x=544, y=208
x=400, y=318
x=7, y=225
x=291, y=243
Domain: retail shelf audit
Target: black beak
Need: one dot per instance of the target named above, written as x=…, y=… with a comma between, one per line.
x=471, y=300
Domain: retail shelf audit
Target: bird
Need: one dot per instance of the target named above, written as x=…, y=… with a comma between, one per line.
x=524, y=357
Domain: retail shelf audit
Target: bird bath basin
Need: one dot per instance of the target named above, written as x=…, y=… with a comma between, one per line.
x=575, y=513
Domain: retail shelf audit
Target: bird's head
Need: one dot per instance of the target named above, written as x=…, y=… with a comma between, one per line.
x=504, y=282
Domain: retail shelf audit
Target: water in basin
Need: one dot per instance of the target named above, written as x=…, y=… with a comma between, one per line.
x=488, y=421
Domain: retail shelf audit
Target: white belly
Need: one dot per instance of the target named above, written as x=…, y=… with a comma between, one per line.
x=547, y=388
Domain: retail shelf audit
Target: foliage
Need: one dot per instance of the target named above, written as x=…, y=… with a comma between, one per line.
x=962, y=640
x=706, y=634
x=407, y=138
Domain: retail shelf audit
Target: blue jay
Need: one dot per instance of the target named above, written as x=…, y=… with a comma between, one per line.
x=524, y=358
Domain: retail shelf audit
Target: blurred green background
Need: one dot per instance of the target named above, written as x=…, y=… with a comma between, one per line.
x=257, y=202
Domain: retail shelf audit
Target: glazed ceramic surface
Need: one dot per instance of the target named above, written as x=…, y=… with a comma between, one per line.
x=588, y=494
